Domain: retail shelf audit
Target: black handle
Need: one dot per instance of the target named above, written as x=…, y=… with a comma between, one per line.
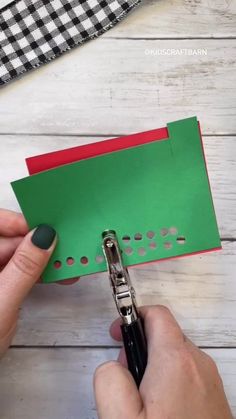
x=135, y=348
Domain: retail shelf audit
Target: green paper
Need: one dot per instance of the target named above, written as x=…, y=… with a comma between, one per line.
x=160, y=187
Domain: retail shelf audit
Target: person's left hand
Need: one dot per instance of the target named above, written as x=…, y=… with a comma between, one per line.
x=13, y=228
x=23, y=257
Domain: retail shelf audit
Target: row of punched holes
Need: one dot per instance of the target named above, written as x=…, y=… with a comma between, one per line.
x=129, y=250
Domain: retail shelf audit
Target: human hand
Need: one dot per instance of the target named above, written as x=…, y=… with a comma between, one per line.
x=13, y=228
x=180, y=381
x=23, y=257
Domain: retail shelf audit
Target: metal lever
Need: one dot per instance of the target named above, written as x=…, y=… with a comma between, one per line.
x=124, y=295
x=123, y=292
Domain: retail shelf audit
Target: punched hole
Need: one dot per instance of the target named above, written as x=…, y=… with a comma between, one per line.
x=128, y=250
x=84, y=260
x=57, y=264
x=70, y=261
x=150, y=234
x=126, y=239
x=152, y=245
x=164, y=232
x=138, y=236
x=181, y=240
x=173, y=231
x=99, y=259
x=142, y=251
x=167, y=245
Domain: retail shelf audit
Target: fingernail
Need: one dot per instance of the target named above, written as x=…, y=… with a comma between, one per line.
x=43, y=236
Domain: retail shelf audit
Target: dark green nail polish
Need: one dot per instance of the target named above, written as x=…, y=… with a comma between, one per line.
x=43, y=236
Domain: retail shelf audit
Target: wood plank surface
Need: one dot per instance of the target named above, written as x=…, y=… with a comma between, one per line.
x=57, y=383
x=200, y=290
x=93, y=89
x=179, y=19
x=126, y=81
x=201, y=286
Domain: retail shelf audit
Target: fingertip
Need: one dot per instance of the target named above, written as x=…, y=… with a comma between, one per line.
x=44, y=237
x=26, y=265
x=105, y=368
x=115, y=330
x=110, y=374
x=103, y=371
x=12, y=223
x=115, y=391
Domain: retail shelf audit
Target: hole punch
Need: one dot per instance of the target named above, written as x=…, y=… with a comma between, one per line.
x=151, y=234
x=132, y=331
x=126, y=239
x=129, y=250
x=99, y=259
x=142, y=251
x=152, y=245
x=167, y=245
x=164, y=232
x=181, y=240
x=138, y=236
x=57, y=264
x=70, y=261
x=173, y=231
x=84, y=260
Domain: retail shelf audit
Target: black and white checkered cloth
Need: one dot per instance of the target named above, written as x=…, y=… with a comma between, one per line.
x=33, y=32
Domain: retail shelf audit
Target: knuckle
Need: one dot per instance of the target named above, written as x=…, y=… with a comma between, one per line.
x=158, y=311
x=185, y=361
x=163, y=309
x=160, y=317
x=25, y=263
x=211, y=364
x=10, y=223
x=209, y=360
x=186, y=358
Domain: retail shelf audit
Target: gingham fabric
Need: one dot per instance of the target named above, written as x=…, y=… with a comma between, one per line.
x=33, y=32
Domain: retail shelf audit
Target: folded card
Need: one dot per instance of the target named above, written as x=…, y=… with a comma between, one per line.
x=155, y=195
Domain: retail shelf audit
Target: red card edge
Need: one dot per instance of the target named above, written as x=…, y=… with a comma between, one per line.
x=51, y=160
x=48, y=161
x=198, y=252
x=140, y=265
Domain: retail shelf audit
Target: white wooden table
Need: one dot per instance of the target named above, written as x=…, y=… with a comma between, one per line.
x=124, y=82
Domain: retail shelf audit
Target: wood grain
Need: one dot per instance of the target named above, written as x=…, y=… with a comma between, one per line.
x=179, y=19
x=57, y=383
x=93, y=89
x=119, y=84
x=200, y=290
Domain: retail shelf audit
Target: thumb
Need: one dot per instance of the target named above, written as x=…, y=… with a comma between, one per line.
x=25, y=267
x=116, y=393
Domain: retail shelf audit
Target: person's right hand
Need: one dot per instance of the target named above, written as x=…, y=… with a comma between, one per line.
x=180, y=381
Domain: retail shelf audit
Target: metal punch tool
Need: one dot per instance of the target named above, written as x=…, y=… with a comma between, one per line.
x=124, y=295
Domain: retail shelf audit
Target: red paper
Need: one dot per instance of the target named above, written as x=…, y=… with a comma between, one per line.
x=51, y=160
x=48, y=161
